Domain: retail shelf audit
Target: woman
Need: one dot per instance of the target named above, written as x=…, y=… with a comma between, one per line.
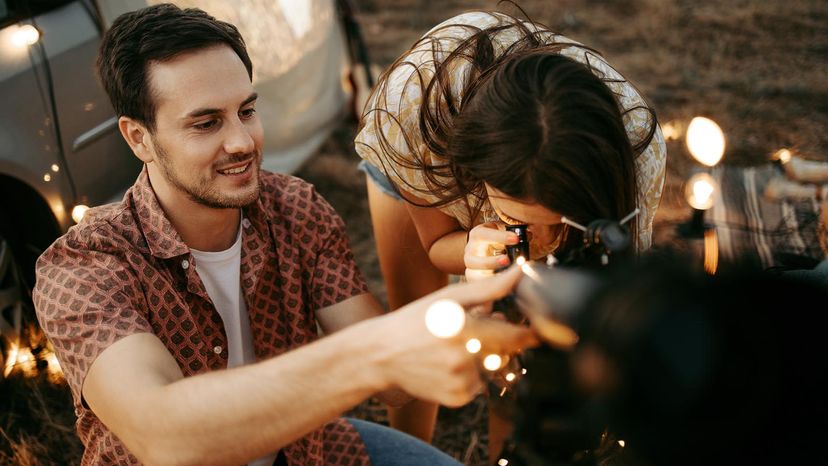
x=519, y=125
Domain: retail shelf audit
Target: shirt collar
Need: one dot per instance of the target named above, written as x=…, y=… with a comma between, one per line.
x=162, y=238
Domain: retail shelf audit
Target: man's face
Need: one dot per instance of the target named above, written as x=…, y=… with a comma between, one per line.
x=207, y=141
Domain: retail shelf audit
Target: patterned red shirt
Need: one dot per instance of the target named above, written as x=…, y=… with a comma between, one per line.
x=125, y=270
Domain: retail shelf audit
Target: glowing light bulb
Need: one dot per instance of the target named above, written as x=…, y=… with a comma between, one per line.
x=47, y=177
x=25, y=35
x=55, y=168
x=492, y=362
x=621, y=443
x=78, y=212
x=445, y=318
x=672, y=130
x=11, y=359
x=502, y=462
x=510, y=377
x=523, y=371
x=783, y=155
x=706, y=141
x=473, y=346
x=52, y=359
x=520, y=260
x=700, y=191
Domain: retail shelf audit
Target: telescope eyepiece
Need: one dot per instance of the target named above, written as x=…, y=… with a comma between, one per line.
x=521, y=249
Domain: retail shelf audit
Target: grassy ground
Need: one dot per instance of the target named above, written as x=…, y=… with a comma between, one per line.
x=757, y=67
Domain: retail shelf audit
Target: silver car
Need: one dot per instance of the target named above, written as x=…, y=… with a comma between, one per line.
x=60, y=149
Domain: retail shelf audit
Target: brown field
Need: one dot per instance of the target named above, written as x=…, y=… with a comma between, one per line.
x=757, y=67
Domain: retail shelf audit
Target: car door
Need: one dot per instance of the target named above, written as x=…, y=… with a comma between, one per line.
x=100, y=163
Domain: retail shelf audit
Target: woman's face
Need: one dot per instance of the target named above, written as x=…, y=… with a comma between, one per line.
x=544, y=224
x=517, y=211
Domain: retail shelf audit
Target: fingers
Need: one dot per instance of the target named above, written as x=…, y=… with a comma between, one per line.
x=500, y=337
x=484, y=248
x=486, y=262
x=490, y=233
x=485, y=290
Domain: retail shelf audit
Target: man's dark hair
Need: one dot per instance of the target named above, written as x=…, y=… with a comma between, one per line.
x=156, y=33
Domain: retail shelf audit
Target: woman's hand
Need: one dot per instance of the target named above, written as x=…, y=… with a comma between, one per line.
x=486, y=250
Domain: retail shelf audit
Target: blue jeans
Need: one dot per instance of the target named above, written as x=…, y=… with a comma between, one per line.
x=378, y=177
x=390, y=447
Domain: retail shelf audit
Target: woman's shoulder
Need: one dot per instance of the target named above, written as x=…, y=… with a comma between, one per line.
x=477, y=19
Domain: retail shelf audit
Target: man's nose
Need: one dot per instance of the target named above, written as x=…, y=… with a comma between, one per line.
x=238, y=139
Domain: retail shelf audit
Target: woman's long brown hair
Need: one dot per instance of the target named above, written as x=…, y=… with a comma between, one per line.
x=530, y=122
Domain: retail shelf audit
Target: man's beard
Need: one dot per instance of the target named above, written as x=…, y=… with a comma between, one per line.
x=202, y=191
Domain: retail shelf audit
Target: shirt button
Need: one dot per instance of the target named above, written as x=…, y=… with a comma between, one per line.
x=217, y=349
x=246, y=223
x=185, y=264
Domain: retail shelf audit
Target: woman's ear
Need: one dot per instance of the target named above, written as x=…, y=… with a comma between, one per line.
x=138, y=137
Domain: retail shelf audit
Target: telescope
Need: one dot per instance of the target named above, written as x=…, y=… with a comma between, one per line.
x=668, y=365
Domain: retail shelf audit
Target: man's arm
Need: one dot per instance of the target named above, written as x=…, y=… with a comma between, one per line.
x=232, y=416
x=349, y=312
x=136, y=388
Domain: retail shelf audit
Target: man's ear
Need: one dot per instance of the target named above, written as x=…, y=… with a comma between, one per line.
x=138, y=137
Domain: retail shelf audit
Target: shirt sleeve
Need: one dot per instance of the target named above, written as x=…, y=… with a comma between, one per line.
x=85, y=300
x=334, y=276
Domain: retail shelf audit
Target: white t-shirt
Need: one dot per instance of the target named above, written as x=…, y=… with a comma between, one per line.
x=221, y=274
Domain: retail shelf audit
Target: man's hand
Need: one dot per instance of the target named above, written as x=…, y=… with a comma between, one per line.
x=441, y=369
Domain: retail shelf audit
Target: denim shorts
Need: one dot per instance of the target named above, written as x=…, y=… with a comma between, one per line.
x=378, y=177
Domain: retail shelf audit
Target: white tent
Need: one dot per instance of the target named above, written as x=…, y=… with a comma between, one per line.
x=300, y=61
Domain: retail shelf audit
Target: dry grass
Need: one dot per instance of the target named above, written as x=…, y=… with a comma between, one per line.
x=757, y=67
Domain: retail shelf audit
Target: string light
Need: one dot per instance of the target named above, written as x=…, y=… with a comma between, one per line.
x=510, y=377
x=783, y=156
x=492, y=362
x=445, y=318
x=11, y=359
x=672, y=130
x=473, y=346
x=25, y=35
x=78, y=212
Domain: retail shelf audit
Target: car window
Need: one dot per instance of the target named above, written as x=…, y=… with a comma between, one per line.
x=12, y=11
x=4, y=11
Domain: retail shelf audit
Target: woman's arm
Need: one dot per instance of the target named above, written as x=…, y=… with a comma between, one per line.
x=451, y=248
x=441, y=235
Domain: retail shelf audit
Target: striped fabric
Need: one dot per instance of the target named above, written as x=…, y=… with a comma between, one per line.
x=757, y=230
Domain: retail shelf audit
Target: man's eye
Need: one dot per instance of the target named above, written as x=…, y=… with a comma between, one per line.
x=248, y=113
x=205, y=125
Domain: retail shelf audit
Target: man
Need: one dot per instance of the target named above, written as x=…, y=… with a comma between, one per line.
x=211, y=264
